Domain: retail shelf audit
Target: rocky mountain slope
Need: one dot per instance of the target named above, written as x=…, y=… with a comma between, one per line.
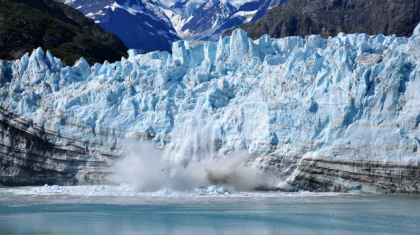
x=149, y=25
x=140, y=24
x=29, y=24
x=244, y=14
x=328, y=18
x=208, y=16
x=264, y=6
x=337, y=114
x=195, y=30
x=180, y=12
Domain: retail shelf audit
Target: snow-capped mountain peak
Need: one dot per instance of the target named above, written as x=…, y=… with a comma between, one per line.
x=207, y=16
x=141, y=24
x=155, y=24
x=133, y=9
x=209, y=20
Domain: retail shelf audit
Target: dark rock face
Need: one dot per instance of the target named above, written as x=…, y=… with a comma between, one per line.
x=140, y=24
x=27, y=157
x=330, y=17
x=251, y=6
x=265, y=6
x=327, y=174
x=68, y=34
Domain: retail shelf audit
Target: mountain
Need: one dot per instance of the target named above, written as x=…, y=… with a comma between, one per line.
x=192, y=18
x=212, y=19
x=28, y=24
x=251, y=6
x=154, y=26
x=142, y=25
x=181, y=11
x=266, y=6
x=208, y=16
x=214, y=33
x=245, y=14
x=328, y=18
x=186, y=8
x=338, y=114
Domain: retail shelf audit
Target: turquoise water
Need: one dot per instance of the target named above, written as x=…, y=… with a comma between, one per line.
x=338, y=214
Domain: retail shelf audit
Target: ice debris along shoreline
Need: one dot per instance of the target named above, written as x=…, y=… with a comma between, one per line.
x=125, y=190
x=321, y=114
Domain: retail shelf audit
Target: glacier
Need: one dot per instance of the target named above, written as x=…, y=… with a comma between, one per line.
x=333, y=114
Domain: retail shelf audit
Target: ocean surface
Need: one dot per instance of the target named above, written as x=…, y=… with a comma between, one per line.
x=112, y=210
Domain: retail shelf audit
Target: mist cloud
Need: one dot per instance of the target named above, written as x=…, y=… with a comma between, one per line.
x=149, y=169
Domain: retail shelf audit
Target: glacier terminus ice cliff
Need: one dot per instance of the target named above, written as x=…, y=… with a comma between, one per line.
x=336, y=114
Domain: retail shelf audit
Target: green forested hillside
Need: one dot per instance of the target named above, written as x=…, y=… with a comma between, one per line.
x=67, y=33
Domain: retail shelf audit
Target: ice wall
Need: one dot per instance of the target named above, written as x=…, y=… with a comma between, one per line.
x=353, y=98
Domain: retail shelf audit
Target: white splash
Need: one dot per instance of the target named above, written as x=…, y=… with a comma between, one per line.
x=190, y=160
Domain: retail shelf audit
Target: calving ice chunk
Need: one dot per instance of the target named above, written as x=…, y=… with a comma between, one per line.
x=291, y=103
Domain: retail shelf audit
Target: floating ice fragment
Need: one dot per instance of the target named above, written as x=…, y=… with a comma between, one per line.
x=99, y=188
x=211, y=190
x=125, y=187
